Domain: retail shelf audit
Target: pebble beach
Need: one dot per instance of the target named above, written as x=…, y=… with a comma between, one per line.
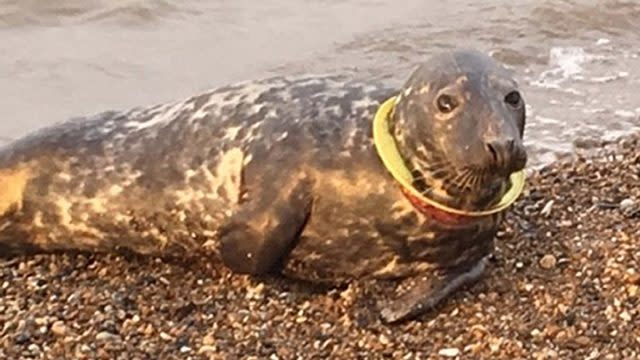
x=564, y=284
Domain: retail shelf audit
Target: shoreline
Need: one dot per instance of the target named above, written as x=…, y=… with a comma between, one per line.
x=564, y=284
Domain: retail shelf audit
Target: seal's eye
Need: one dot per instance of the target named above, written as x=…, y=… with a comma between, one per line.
x=446, y=103
x=513, y=98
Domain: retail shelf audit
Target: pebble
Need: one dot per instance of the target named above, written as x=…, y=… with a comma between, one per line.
x=626, y=204
x=625, y=316
x=107, y=336
x=547, y=354
x=148, y=330
x=208, y=340
x=633, y=278
x=582, y=340
x=207, y=349
x=546, y=210
x=449, y=352
x=22, y=338
x=58, y=328
x=34, y=349
x=256, y=292
x=548, y=262
x=566, y=223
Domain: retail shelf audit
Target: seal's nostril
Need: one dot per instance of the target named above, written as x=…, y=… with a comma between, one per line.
x=511, y=144
x=507, y=154
x=493, y=152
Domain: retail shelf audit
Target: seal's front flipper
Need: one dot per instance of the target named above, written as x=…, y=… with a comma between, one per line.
x=429, y=291
x=263, y=232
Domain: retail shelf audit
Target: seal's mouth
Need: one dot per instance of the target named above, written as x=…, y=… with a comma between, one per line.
x=391, y=158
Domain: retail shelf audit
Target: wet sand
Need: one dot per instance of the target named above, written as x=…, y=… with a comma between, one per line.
x=564, y=284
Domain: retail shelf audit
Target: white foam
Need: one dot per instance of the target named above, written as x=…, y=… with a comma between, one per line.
x=614, y=135
x=568, y=59
x=608, y=78
x=594, y=111
x=565, y=63
x=625, y=113
x=546, y=120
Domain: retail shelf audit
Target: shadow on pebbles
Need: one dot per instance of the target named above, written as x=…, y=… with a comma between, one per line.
x=564, y=284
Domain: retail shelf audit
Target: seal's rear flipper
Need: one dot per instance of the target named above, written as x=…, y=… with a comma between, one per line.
x=429, y=291
x=13, y=183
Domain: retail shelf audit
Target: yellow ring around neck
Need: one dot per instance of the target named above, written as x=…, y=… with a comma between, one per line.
x=388, y=152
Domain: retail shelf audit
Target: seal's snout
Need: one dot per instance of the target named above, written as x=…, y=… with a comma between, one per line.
x=505, y=154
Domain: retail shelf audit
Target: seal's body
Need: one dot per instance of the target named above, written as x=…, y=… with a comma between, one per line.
x=282, y=175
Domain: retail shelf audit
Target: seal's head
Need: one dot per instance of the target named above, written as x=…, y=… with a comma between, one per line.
x=458, y=124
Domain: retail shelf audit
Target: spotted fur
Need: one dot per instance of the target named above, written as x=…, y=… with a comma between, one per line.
x=279, y=174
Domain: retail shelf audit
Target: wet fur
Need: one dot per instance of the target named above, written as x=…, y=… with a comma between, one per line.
x=278, y=175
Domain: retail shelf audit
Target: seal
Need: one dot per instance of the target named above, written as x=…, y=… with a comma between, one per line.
x=320, y=178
